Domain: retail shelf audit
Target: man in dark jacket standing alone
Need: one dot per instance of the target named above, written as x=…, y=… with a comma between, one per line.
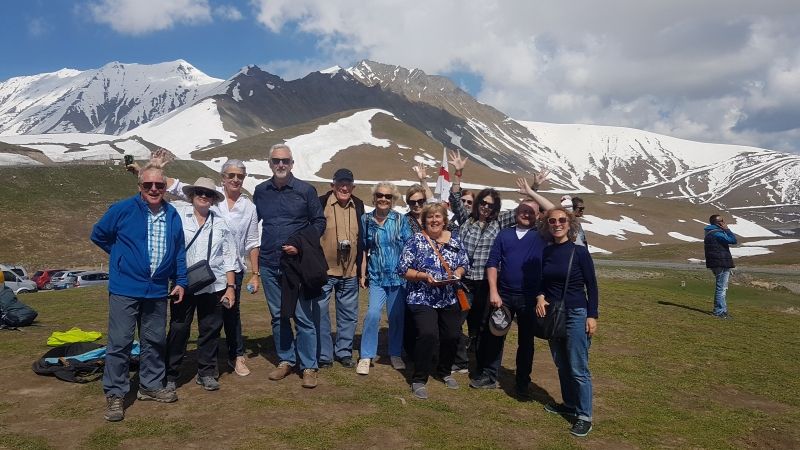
x=286, y=205
x=719, y=260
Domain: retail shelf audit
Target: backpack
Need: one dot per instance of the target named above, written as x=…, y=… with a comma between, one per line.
x=81, y=362
x=14, y=313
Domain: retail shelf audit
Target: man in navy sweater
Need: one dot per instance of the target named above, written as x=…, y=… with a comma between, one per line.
x=144, y=237
x=718, y=258
x=513, y=272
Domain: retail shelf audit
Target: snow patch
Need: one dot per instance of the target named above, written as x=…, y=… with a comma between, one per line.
x=746, y=228
x=649, y=244
x=738, y=252
x=594, y=249
x=13, y=159
x=683, y=237
x=768, y=242
x=616, y=228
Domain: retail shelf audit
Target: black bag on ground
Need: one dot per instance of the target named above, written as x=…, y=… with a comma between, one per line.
x=199, y=274
x=65, y=363
x=14, y=313
x=554, y=324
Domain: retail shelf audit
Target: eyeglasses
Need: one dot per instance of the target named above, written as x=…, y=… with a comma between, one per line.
x=382, y=195
x=149, y=185
x=579, y=208
x=419, y=202
x=554, y=220
x=277, y=161
x=487, y=204
x=466, y=201
x=239, y=176
x=204, y=193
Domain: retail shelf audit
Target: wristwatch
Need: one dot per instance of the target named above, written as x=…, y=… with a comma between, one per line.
x=232, y=286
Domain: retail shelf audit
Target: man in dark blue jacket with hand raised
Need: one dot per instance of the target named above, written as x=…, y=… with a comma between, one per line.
x=144, y=237
x=718, y=258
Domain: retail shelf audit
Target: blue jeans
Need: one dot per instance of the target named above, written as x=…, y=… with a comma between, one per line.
x=123, y=314
x=304, y=348
x=720, y=303
x=571, y=356
x=394, y=297
x=232, y=320
x=346, y=291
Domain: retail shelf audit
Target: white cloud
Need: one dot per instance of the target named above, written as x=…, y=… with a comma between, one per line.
x=228, y=12
x=37, y=27
x=718, y=70
x=143, y=16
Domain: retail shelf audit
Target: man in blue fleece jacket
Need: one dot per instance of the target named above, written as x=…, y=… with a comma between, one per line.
x=718, y=258
x=144, y=237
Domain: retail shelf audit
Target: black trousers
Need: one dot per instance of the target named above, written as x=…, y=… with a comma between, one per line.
x=209, y=324
x=436, y=331
x=475, y=318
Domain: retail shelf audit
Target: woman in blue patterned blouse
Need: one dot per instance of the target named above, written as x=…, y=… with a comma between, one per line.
x=434, y=312
x=385, y=233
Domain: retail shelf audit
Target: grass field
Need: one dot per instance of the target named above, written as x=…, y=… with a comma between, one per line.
x=666, y=375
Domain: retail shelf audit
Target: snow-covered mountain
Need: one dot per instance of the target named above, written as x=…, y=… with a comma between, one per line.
x=110, y=100
x=174, y=105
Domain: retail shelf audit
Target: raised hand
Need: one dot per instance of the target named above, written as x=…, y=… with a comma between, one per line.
x=457, y=161
x=421, y=171
x=161, y=157
x=524, y=187
x=540, y=177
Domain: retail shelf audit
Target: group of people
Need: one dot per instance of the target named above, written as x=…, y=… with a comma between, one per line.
x=317, y=251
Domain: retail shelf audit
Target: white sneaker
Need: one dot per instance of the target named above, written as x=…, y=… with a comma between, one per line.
x=398, y=363
x=363, y=366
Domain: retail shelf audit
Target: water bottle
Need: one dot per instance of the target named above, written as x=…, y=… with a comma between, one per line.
x=250, y=288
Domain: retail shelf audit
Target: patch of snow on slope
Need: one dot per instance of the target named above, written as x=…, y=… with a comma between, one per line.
x=616, y=228
x=185, y=131
x=13, y=159
x=746, y=228
x=595, y=249
x=57, y=138
x=312, y=150
x=683, y=237
x=134, y=148
x=738, y=252
x=768, y=242
x=648, y=244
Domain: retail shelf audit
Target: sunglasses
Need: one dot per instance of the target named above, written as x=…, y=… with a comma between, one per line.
x=466, y=201
x=487, y=204
x=284, y=161
x=238, y=176
x=379, y=195
x=149, y=185
x=419, y=202
x=580, y=208
x=205, y=193
x=553, y=220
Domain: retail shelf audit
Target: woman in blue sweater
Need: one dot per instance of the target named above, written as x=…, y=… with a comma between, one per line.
x=570, y=354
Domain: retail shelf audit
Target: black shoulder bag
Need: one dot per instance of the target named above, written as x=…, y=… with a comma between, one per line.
x=554, y=324
x=199, y=274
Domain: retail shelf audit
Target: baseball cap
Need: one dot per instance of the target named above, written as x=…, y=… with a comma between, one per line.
x=343, y=175
x=500, y=321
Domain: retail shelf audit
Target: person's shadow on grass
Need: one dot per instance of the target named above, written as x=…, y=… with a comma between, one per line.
x=678, y=305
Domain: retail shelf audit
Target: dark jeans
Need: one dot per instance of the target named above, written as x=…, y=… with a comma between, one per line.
x=490, y=349
x=476, y=317
x=232, y=320
x=436, y=331
x=123, y=315
x=209, y=324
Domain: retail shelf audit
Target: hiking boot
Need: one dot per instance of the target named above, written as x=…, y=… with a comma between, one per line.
x=114, y=409
x=346, y=361
x=522, y=393
x=158, y=395
x=559, y=408
x=325, y=364
x=482, y=383
x=239, y=367
x=309, y=378
x=398, y=363
x=450, y=382
x=282, y=371
x=363, y=366
x=581, y=428
x=208, y=383
x=419, y=391
x=171, y=386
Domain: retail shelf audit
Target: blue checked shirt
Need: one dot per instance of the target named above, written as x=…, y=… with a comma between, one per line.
x=156, y=238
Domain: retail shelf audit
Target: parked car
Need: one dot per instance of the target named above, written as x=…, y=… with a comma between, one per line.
x=17, y=283
x=19, y=270
x=65, y=279
x=91, y=278
x=43, y=278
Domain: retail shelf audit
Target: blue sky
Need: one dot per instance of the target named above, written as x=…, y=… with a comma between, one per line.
x=715, y=71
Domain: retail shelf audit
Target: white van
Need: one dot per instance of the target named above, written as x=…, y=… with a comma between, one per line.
x=17, y=283
x=19, y=270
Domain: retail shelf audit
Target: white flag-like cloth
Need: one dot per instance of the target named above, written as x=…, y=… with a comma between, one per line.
x=443, y=182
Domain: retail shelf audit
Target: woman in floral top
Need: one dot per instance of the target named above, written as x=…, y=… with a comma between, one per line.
x=433, y=309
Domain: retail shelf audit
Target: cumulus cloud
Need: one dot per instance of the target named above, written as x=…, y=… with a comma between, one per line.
x=138, y=17
x=228, y=12
x=719, y=70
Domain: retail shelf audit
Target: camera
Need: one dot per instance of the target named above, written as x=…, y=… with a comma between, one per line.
x=128, y=159
x=344, y=246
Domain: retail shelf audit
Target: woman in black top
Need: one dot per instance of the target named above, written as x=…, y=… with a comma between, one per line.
x=570, y=354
